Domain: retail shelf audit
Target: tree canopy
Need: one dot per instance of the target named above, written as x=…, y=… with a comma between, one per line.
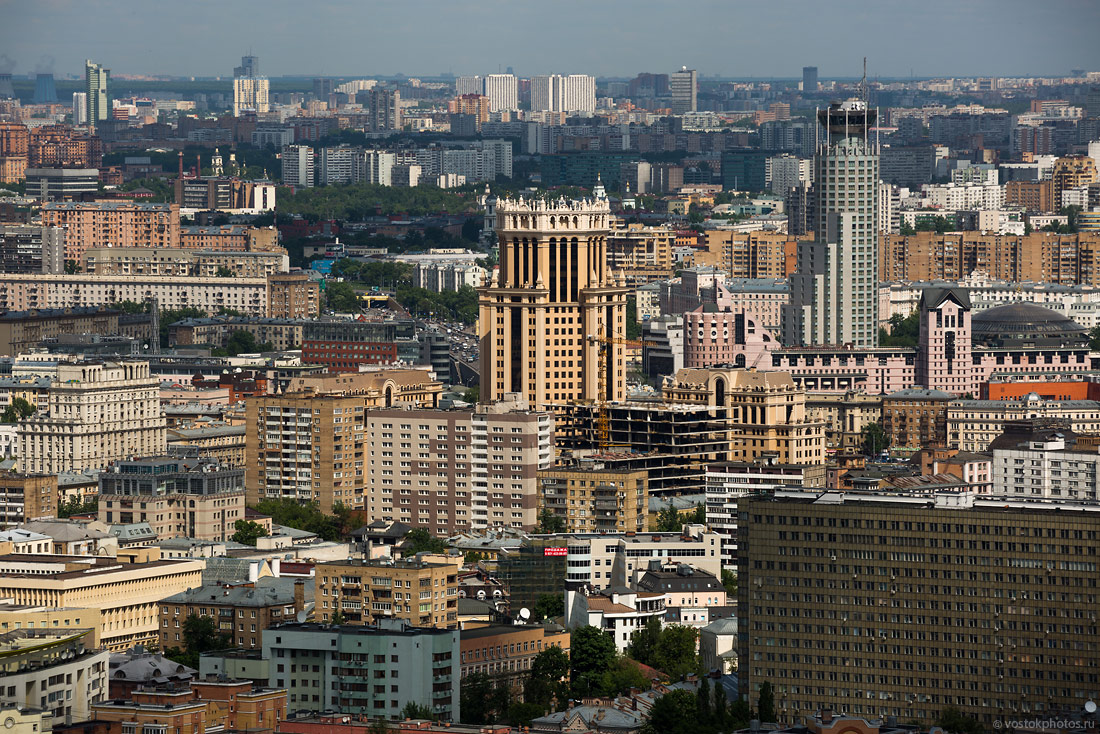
x=200, y=634
x=248, y=532
x=355, y=202
x=904, y=331
x=308, y=516
x=17, y=410
x=591, y=654
x=670, y=649
x=419, y=540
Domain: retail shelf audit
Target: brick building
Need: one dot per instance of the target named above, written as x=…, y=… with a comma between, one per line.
x=241, y=612
x=293, y=296
x=89, y=225
x=915, y=418
x=421, y=593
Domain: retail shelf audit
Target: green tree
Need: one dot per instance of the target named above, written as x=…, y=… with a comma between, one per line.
x=765, y=706
x=721, y=716
x=77, y=506
x=549, y=606
x=548, y=678
x=420, y=540
x=308, y=516
x=171, y=316
x=740, y=714
x=520, y=714
x=72, y=267
x=675, y=651
x=698, y=516
x=954, y=721
x=623, y=675
x=633, y=327
x=248, y=532
x=414, y=710
x=1094, y=338
x=200, y=634
x=669, y=520
x=729, y=580
x=341, y=297
x=875, y=440
x=904, y=331
x=132, y=307
x=17, y=411
x=337, y=618
x=550, y=522
x=471, y=229
x=477, y=700
x=675, y=712
x=704, y=714
x=472, y=394
x=224, y=272
x=643, y=643
x=592, y=652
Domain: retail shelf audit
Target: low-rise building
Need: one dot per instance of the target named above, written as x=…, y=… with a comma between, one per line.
x=973, y=424
x=139, y=668
x=506, y=651
x=31, y=616
x=689, y=593
x=241, y=612
x=177, y=497
x=340, y=667
x=618, y=611
x=201, y=707
x=58, y=671
x=125, y=594
x=915, y=418
x=25, y=497
x=21, y=331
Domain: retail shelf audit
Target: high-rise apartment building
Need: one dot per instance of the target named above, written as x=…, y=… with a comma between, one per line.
x=550, y=317
x=298, y=165
x=293, y=296
x=96, y=81
x=683, y=87
x=502, y=91
x=250, y=90
x=1069, y=173
x=589, y=498
x=904, y=605
x=384, y=110
x=93, y=224
x=556, y=93
x=834, y=293
x=456, y=470
x=308, y=443
x=784, y=172
x=96, y=413
x=809, y=78
x=80, y=108
x=469, y=85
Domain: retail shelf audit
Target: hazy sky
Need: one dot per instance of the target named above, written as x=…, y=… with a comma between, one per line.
x=736, y=38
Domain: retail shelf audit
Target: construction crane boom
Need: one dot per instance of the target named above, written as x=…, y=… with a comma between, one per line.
x=603, y=420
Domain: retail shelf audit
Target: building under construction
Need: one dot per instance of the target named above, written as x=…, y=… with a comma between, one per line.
x=673, y=442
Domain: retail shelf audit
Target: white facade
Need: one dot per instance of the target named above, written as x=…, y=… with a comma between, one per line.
x=377, y=167
x=966, y=196
x=1047, y=470
x=783, y=173
x=338, y=166
x=575, y=93
x=620, y=613
x=834, y=293
x=250, y=93
x=80, y=108
x=547, y=92
x=469, y=85
x=24, y=292
x=502, y=91
x=97, y=413
x=298, y=165
x=440, y=277
x=727, y=483
x=590, y=558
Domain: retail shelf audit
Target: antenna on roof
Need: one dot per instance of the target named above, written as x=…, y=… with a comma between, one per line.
x=863, y=84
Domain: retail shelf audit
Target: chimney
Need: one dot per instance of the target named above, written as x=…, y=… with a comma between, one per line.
x=299, y=595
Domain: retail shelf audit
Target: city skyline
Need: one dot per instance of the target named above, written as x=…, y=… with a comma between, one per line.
x=47, y=36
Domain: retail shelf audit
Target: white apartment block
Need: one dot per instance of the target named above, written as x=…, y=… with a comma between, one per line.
x=1047, y=469
x=590, y=557
x=97, y=413
x=32, y=291
x=502, y=91
x=730, y=481
x=783, y=173
x=250, y=94
x=469, y=85
x=440, y=277
x=966, y=196
x=298, y=165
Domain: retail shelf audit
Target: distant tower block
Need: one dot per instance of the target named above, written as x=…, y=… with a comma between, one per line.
x=554, y=290
x=45, y=92
x=7, y=91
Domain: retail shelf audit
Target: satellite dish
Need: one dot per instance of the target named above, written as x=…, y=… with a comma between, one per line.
x=525, y=614
x=1090, y=706
x=301, y=616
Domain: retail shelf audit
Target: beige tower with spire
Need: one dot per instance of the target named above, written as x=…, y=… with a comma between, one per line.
x=553, y=305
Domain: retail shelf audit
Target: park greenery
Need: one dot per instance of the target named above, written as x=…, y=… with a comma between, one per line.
x=670, y=649
x=419, y=540
x=248, y=532
x=904, y=331
x=670, y=520
x=875, y=440
x=17, y=410
x=77, y=506
x=307, y=516
x=550, y=522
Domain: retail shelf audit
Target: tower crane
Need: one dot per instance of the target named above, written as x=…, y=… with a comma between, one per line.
x=603, y=420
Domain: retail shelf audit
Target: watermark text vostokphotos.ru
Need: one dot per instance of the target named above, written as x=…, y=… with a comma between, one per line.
x=1044, y=725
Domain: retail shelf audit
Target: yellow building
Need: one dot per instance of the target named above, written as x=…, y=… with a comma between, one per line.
x=641, y=254
x=552, y=298
x=424, y=594
x=25, y=617
x=592, y=499
x=126, y=595
x=767, y=412
x=1069, y=173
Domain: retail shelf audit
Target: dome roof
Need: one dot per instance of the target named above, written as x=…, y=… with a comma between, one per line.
x=1015, y=323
